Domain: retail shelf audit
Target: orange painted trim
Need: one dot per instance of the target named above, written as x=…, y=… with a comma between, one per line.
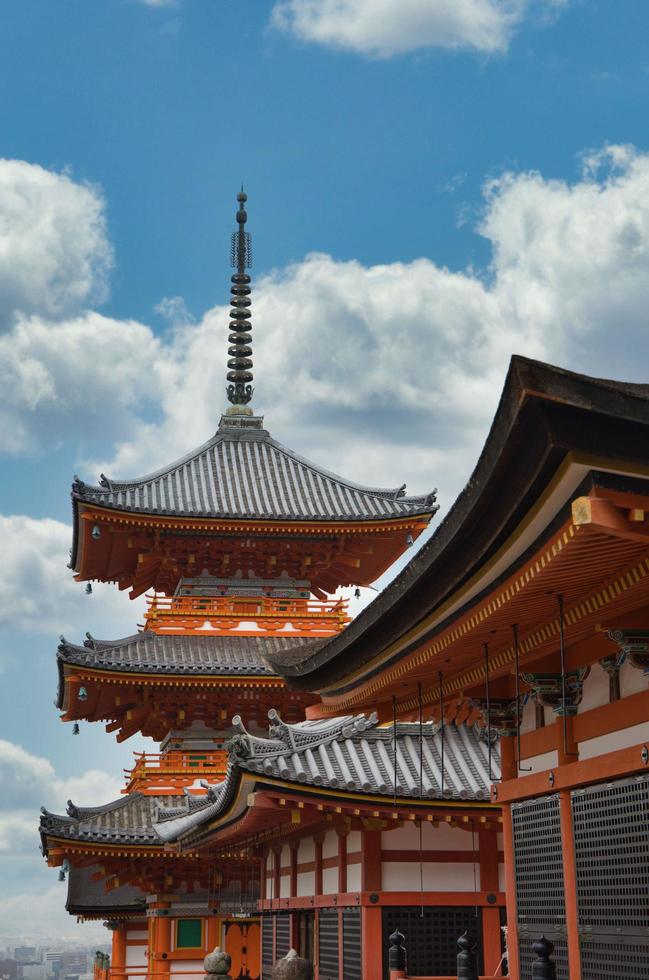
x=623, y=762
x=510, y=893
x=96, y=513
x=371, y=943
x=378, y=898
x=570, y=884
x=440, y=856
x=165, y=680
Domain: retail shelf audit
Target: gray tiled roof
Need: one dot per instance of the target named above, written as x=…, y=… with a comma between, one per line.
x=352, y=753
x=127, y=820
x=150, y=652
x=243, y=472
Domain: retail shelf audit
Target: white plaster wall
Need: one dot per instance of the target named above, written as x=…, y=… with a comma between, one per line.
x=306, y=883
x=186, y=969
x=596, y=689
x=284, y=886
x=353, y=877
x=285, y=857
x=136, y=956
x=440, y=876
x=623, y=739
x=270, y=861
x=330, y=844
x=329, y=881
x=539, y=763
x=137, y=934
x=501, y=877
x=632, y=680
x=528, y=721
x=354, y=841
x=306, y=850
x=406, y=838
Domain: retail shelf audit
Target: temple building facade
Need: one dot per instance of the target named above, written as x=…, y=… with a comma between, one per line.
x=467, y=759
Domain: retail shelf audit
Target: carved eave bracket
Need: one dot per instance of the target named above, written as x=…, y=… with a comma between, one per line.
x=633, y=645
x=549, y=689
x=501, y=715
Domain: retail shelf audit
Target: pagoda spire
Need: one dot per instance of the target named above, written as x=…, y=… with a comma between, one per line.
x=240, y=352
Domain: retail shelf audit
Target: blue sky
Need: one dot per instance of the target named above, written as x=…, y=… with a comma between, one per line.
x=432, y=187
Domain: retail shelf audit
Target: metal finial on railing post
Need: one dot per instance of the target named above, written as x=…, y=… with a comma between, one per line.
x=467, y=961
x=543, y=968
x=397, y=951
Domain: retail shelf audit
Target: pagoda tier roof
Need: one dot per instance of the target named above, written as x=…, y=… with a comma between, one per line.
x=244, y=474
x=127, y=821
x=88, y=898
x=555, y=435
x=350, y=755
x=160, y=653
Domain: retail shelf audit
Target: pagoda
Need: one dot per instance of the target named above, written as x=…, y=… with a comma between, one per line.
x=242, y=546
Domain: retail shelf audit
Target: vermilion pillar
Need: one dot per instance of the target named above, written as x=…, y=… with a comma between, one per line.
x=371, y=920
x=161, y=965
x=118, y=953
x=510, y=894
x=488, y=844
x=570, y=884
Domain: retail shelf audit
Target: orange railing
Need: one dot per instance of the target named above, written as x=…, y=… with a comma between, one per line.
x=178, y=768
x=180, y=614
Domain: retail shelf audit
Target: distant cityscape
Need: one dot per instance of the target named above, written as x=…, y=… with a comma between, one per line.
x=63, y=961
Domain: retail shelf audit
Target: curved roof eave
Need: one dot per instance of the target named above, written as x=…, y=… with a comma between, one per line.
x=528, y=383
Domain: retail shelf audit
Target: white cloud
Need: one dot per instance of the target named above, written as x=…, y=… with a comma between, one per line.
x=38, y=592
x=80, y=377
x=389, y=27
x=54, y=252
x=388, y=373
x=40, y=916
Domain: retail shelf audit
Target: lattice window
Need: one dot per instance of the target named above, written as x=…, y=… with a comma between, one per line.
x=431, y=939
x=625, y=958
x=540, y=897
x=266, y=947
x=282, y=935
x=328, y=944
x=352, y=965
x=612, y=855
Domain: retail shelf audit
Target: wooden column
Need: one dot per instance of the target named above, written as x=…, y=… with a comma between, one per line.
x=342, y=860
x=118, y=952
x=294, y=847
x=161, y=939
x=371, y=917
x=277, y=871
x=488, y=846
x=317, y=843
x=372, y=943
x=510, y=893
x=570, y=884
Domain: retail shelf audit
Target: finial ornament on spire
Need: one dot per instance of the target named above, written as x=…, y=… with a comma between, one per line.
x=240, y=352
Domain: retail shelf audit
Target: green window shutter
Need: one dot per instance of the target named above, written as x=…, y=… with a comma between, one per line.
x=189, y=933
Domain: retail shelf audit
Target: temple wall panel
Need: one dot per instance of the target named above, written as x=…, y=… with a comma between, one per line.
x=284, y=886
x=353, y=877
x=306, y=850
x=329, y=881
x=136, y=955
x=353, y=841
x=186, y=969
x=406, y=838
x=622, y=739
x=539, y=763
x=330, y=844
x=440, y=876
x=596, y=689
x=632, y=680
x=306, y=883
x=142, y=934
x=528, y=719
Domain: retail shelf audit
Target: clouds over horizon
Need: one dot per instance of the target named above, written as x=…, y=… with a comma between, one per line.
x=384, y=28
